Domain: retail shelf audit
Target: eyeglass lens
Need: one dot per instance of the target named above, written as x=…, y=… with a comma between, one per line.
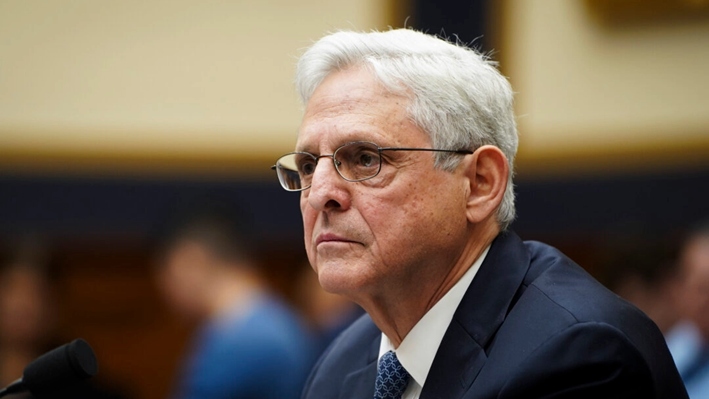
x=354, y=162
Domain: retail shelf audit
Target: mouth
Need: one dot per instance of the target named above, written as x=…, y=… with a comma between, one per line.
x=331, y=238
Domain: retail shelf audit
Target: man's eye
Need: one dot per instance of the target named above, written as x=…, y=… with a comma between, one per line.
x=366, y=159
x=306, y=167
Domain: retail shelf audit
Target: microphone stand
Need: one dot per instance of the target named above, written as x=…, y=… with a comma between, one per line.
x=57, y=369
x=16, y=386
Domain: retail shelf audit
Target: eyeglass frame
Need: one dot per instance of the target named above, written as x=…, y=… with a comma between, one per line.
x=276, y=167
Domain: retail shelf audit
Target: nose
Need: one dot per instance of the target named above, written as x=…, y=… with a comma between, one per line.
x=328, y=190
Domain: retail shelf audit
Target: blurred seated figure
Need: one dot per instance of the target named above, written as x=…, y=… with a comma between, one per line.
x=327, y=314
x=646, y=275
x=26, y=322
x=689, y=340
x=249, y=343
x=28, y=325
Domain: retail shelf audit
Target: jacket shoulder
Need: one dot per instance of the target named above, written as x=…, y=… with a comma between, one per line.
x=354, y=351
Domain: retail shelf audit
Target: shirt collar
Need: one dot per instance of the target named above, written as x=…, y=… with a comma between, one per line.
x=419, y=347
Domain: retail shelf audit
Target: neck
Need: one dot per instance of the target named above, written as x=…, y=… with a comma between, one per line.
x=397, y=310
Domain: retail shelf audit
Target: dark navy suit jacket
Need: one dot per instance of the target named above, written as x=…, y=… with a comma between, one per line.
x=532, y=324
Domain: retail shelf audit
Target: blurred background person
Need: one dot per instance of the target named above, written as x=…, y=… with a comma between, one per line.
x=27, y=325
x=112, y=111
x=646, y=274
x=29, y=322
x=327, y=314
x=689, y=340
x=249, y=343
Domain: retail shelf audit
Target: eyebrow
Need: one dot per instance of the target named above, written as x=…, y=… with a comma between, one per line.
x=334, y=147
x=345, y=137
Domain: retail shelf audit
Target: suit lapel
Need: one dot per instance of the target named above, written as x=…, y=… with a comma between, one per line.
x=462, y=353
x=457, y=363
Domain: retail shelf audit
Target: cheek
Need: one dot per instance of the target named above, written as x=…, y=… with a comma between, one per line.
x=433, y=215
x=309, y=217
x=420, y=203
x=392, y=219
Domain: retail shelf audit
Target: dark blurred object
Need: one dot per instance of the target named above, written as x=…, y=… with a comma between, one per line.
x=467, y=21
x=59, y=370
x=645, y=11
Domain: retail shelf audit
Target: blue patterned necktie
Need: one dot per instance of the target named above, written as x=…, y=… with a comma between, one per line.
x=392, y=378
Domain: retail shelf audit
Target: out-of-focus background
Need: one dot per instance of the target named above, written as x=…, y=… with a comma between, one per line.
x=114, y=112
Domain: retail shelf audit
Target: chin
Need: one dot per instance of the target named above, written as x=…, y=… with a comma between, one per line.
x=333, y=284
x=340, y=282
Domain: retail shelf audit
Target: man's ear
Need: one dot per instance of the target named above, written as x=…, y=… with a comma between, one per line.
x=487, y=170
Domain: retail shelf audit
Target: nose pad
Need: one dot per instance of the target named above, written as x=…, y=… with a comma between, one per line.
x=326, y=189
x=335, y=163
x=323, y=173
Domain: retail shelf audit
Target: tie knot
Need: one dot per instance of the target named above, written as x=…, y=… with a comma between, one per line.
x=392, y=378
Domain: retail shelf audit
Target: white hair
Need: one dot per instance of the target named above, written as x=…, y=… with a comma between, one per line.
x=458, y=97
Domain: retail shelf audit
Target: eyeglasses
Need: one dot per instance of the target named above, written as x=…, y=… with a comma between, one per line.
x=356, y=161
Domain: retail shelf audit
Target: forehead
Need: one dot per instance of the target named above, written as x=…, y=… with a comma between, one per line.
x=350, y=105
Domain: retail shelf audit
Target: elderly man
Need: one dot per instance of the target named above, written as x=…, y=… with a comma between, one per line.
x=404, y=166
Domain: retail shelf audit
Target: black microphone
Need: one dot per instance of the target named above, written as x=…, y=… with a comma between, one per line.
x=57, y=370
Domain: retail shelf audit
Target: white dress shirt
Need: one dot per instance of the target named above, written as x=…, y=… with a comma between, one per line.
x=419, y=347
